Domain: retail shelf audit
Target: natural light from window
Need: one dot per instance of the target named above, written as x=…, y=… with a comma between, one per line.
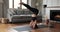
x=16, y=3
x=25, y=1
x=10, y=4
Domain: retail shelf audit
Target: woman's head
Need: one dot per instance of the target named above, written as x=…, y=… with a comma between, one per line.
x=33, y=15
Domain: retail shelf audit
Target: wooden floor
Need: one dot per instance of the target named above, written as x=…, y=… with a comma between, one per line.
x=4, y=28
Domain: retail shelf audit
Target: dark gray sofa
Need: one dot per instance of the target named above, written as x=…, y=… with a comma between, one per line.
x=16, y=15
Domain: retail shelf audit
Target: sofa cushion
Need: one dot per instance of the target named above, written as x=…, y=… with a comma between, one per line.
x=19, y=12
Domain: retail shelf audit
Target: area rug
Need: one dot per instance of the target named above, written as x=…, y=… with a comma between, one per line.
x=26, y=28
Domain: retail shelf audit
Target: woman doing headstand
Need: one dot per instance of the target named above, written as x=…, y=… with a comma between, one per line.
x=35, y=11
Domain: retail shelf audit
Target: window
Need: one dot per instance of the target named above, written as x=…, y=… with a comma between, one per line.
x=15, y=4
x=25, y=1
x=10, y=4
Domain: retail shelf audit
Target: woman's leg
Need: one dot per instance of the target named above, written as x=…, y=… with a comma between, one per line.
x=34, y=23
x=31, y=23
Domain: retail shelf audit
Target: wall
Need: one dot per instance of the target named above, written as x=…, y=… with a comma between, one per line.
x=33, y=3
x=51, y=2
x=0, y=10
x=6, y=6
x=37, y=4
x=3, y=8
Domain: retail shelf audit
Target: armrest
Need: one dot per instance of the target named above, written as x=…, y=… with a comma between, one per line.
x=11, y=12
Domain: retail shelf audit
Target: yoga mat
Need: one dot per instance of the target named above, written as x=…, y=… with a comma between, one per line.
x=26, y=28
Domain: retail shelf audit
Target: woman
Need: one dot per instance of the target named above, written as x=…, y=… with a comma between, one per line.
x=35, y=11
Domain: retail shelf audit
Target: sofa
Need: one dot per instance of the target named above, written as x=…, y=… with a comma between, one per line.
x=18, y=15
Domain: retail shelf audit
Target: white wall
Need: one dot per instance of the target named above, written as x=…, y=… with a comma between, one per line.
x=51, y=2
